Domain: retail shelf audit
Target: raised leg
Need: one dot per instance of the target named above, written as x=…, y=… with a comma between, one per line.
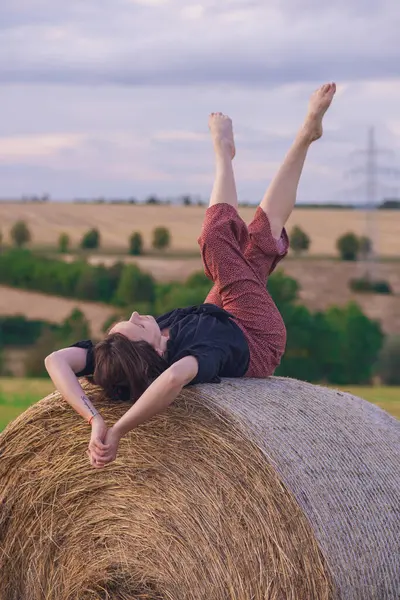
x=224, y=189
x=224, y=235
x=237, y=285
x=280, y=197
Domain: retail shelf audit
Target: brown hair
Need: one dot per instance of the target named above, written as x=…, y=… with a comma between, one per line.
x=125, y=369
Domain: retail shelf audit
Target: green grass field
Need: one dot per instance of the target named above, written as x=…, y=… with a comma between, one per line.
x=16, y=395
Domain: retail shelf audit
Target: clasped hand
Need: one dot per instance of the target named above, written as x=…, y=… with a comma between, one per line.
x=103, y=445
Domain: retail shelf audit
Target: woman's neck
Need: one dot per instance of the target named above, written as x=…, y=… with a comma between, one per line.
x=164, y=340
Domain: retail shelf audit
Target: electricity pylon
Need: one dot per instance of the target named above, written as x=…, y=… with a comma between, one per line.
x=372, y=187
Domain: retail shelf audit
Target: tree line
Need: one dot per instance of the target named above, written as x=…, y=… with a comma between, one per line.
x=350, y=248
x=188, y=200
x=338, y=346
x=21, y=236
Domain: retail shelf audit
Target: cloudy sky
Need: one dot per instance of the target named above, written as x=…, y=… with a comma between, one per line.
x=111, y=97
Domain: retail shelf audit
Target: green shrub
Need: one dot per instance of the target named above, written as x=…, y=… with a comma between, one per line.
x=348, y=246
x=34, y=361
x=198, y=279
x=382, y=287
x=91, y=239
x=339, y=346
x=136, y=244
x=17, y=330
x=74, y=328
x=161, y=238
x=359, y=342
x=64, y=243
x=25, y=270
x=177, y=295
x=20, y=234
x=389, y=361
x=299, y=240
x=365, y=284
x=135, y=286
x=283, y=289
x=110, y=321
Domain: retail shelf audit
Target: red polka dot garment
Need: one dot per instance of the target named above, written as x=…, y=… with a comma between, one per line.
x=239, y=259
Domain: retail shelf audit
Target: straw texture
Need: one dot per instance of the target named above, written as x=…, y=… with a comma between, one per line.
x=249, y=490
x=340, y=457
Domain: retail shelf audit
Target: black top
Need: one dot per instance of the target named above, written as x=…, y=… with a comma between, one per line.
x=207, y=332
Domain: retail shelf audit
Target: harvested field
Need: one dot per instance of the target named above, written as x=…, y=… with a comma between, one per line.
x=34, y=305
x=116, y=223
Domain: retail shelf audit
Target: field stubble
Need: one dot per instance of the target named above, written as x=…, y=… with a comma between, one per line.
x=117, y=222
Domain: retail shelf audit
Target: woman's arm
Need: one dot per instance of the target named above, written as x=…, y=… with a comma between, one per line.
x=62, y=366
x=159, y=395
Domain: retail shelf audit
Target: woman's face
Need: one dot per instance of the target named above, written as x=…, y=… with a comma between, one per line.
x=139, y=328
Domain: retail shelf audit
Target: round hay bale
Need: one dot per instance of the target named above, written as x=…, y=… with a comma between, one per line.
x=253, y=489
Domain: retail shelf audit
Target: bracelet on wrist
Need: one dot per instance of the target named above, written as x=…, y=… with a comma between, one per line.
x=92, y=417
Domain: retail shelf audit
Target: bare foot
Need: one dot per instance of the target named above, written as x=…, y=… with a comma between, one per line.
x=319, y=103
x=222, y=134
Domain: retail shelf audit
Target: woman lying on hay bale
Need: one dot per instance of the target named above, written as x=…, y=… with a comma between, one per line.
x=237, y=332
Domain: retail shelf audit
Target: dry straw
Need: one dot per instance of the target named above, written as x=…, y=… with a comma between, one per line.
x=248, y=490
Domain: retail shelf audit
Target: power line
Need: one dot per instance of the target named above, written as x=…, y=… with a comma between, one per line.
x=372, y=187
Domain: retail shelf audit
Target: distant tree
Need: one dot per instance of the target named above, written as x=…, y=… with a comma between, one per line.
x=153, y=200
x=91, y=239
x=389, y=361
x=359, y=344
x=198, y=279
x=114, y=273
x=365, y=248
x=161, y=238
x=64, y=242
x=3, y=370
x=34, y=360
x=283, y=289
x=179, y=296
x=109, y=322
x=136, y=244
x=186, y=200
x=20, y=234
x=391, y=204
x=299, y=240
x=87, y=286
x=348, y=246
x=366, y=284
x=134, y=286
x=75, y=327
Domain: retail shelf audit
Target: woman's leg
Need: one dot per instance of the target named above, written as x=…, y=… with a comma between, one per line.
x=240, y=277
x=224, y=188
x=237, y=285
x=280, y=197
x=268, y=239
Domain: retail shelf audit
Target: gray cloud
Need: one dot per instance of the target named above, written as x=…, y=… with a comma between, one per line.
x=110, y=97
x=245, y=43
